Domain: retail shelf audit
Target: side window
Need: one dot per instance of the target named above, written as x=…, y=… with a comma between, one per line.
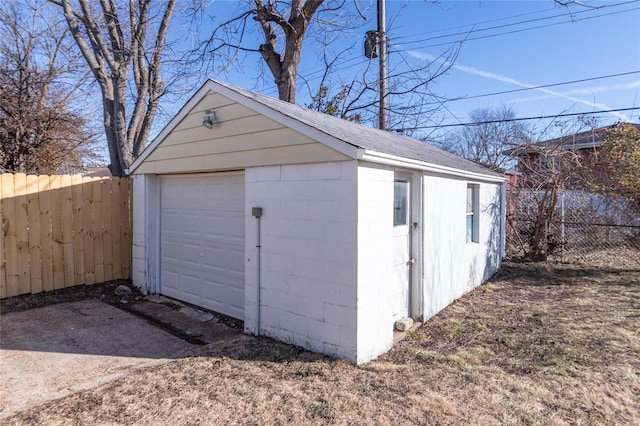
x=473, y=199
x=547, y=163
x=400, y=203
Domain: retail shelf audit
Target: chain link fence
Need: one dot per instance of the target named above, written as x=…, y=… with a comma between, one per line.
x=581, y=227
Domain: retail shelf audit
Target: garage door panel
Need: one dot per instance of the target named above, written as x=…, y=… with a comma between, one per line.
x=190, y=255
x=191, y=285
x=190, y=224
x=236, y=267
x=171, y=221
x=215, y=226
x=202, y=241
x=236, y=226
x=170, y=281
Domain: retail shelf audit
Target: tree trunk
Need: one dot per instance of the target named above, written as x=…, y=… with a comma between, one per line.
x=112, y=52
x=284, y=67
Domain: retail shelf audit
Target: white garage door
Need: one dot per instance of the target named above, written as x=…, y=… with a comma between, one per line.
x=202, y=241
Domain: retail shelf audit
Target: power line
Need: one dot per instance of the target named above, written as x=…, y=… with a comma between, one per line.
x=507, y=120
x=472, y=30
x=479, y=23
x=530, y=28
x=356, y=60
x=464, y=98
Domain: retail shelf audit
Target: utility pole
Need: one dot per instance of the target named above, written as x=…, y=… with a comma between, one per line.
x=382, y=39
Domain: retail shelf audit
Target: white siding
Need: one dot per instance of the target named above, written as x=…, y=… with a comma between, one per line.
x=375, y=265
x=240, y=138
x=452, y=266
x=308, y=239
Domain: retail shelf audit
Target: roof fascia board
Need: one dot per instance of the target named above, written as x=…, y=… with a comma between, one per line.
x=191, y=103
x=341, y=146
x=393, y=160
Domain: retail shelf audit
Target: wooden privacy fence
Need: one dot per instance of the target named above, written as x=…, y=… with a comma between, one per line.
x=62, y=231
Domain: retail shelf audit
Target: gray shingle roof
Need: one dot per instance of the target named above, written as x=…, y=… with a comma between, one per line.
x=366, y=137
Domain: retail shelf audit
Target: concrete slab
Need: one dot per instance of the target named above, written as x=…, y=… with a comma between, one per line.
x=50, y=352
x=195, y=325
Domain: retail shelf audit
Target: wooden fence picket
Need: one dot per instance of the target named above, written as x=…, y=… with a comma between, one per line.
x=46, y=231
x=35, y=252
x=3, y=275
x=22, y=233
x=78, y=241
x=107, y=228
x=9, y=231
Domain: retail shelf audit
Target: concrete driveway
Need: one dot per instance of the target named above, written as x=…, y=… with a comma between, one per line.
x=50, y=352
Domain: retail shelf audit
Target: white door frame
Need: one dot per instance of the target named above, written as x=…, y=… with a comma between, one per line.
x=416, y=226
x=417, y=230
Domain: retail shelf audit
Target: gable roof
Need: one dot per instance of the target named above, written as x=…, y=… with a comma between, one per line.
x=330, y=130
x=589, y=139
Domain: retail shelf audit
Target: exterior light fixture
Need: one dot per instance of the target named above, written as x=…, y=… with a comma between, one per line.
x=209, y=118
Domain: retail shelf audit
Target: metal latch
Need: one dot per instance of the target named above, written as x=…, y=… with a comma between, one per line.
x=411, y=261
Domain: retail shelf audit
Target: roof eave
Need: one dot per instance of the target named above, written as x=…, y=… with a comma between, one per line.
x=394, y=160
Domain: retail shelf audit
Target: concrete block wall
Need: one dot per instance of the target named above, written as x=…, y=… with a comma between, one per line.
x=308, y=255
x=145, y=213
x=139, y=235
x=375, y=237
x=453, y=266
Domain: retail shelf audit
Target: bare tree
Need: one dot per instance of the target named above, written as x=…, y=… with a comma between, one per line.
x=283, y=27
x=486, y=141
x=40, y=73
x=545, y=170
x=322, y=101
x=124, y=50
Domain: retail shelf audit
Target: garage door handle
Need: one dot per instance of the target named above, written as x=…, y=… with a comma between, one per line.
x=411, y=261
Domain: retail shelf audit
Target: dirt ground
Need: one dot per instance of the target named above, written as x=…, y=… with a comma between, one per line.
x=104, y=292
x=539, y=344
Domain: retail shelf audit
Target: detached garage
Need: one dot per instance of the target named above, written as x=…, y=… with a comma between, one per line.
x=312, y=230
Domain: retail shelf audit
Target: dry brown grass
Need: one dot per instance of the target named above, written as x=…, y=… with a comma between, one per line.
x=536, y=345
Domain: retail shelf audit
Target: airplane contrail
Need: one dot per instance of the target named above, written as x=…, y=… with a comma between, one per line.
x=506, y=79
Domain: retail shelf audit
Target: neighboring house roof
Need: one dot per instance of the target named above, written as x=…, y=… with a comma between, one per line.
x=356, y=135
x=589, y=139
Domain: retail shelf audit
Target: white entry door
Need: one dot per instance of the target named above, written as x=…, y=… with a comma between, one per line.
x=402, y=261
x=202, y=241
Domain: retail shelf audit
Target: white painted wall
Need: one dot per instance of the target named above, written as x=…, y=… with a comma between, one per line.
x=139, y=259
x=375, y=261
x=326, y=240
x=453, y=266
x=309, y=255
x=145, y=233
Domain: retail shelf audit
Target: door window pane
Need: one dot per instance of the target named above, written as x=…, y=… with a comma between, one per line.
x=400, y=203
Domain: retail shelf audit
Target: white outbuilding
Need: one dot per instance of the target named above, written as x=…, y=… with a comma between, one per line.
x=312, y=230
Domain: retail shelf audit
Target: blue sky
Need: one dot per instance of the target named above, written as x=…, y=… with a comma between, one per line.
x=533, y=43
